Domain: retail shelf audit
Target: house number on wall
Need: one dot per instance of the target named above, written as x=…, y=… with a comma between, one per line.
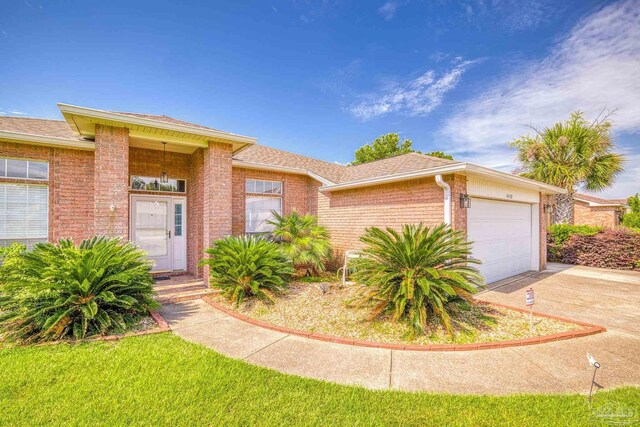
x=509, y=196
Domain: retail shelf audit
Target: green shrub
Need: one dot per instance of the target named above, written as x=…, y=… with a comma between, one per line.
x=632, y=219
x=247, y=266
x=560, y=233
x=57, y=291
x=302, y=240
x=415, y=273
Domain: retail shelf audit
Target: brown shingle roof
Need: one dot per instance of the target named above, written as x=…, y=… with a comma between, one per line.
x=600, y=200
x=43, y=127
x=339, y=173
x=275, y=157
x=393, y=165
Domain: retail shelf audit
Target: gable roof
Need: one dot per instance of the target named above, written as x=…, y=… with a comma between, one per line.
x=166, y=119
x=592, y=200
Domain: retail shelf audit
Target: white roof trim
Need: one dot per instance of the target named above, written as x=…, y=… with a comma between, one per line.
x=142, y=121
x=47, y=140
x=465, y=168
x=282, y=169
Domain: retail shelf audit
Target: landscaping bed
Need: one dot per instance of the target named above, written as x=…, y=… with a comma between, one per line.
x=325, y=308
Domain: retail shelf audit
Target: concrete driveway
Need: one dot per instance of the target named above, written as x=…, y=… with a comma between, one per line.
x=608, y=298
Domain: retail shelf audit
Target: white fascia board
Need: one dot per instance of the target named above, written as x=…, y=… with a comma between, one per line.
x=463, y=168
x=282, y=169
x=27, y=138
x=393, y=178
x=142, y=121
x=514, y=180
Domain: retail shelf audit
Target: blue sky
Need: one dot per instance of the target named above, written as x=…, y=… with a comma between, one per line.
x=322, y=78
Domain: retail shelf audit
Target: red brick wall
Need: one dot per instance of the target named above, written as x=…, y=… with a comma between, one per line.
x=195, y=222
x=347, y=213
x=217, y=200
x=111, y=181
x=144, y=162
x=70, y=187
x=295, y=193
x=458, y=184
x=603, y=216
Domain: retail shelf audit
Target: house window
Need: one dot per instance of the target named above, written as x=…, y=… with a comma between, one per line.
x=149, y=183
x=262, y=198
x=24, y=169
x=24, y=213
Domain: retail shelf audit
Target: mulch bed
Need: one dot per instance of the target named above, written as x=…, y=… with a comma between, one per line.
x=326, y=308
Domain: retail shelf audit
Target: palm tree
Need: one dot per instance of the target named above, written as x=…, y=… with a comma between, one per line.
x=302, y=240
x=574, y=155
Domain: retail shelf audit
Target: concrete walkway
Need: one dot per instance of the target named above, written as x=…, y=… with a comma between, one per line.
x=599, y=296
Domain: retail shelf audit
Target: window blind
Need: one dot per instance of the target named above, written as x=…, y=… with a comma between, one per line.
x=24, y=212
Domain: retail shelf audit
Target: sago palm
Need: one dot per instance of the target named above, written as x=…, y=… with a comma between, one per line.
x=58, y=291
x=302, y=240
x=247, y=266
x=574, y=155
x=414, y=273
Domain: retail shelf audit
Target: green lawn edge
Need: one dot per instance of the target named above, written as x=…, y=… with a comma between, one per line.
x=163, y=380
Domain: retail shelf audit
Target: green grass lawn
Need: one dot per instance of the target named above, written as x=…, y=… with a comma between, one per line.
x=163, y=380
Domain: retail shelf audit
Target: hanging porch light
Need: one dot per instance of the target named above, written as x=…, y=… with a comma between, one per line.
x=164, y=178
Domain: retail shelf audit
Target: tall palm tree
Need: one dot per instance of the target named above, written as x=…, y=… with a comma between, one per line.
x=574, y=155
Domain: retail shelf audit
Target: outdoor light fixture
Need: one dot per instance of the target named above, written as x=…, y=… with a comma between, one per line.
x=164, y=178
x=596, y=365
x=465, y=201
x=548, y=209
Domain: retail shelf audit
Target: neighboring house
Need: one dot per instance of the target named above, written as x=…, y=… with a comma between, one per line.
x=101, y=172
x=590, y=210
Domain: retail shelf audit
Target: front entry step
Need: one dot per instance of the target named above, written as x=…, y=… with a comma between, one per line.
x=181, y=288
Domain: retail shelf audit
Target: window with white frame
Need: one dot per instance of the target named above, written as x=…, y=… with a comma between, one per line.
x=25, y=169
x=24, y=213
x=262, y=198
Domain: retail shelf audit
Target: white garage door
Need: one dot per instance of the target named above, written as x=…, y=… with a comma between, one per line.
x=501, y=232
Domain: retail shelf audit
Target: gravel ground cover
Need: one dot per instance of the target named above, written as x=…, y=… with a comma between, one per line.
x=327, y=308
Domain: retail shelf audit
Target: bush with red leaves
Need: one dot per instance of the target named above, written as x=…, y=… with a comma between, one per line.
x=611, y=248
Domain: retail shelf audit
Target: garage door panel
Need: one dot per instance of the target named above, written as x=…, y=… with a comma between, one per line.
x=501, y=232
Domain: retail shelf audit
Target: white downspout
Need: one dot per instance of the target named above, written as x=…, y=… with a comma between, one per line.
x=447, y=198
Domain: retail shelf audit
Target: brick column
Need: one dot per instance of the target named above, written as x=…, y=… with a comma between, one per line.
x=458, y=184
x=111, y=182
x=217, y=194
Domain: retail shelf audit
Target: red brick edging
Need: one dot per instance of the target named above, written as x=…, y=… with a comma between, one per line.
x=589, y=329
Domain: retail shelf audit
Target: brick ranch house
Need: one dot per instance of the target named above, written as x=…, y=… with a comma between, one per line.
x=174, y=187
x=590, y=210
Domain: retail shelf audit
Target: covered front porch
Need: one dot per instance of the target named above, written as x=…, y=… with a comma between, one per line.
x=161, y=183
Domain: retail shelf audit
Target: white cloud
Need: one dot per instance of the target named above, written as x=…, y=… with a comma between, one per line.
x=419, y=96
x=595, y=65
x=388, y=10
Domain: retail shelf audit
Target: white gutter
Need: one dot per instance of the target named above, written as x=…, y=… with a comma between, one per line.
x=447, y=198
x=467, y=168
x=282, y=169
x=142, y=121
x=47, y=140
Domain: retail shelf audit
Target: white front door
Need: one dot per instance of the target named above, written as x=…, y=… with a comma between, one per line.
x=158, y=228
x=502, y=235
